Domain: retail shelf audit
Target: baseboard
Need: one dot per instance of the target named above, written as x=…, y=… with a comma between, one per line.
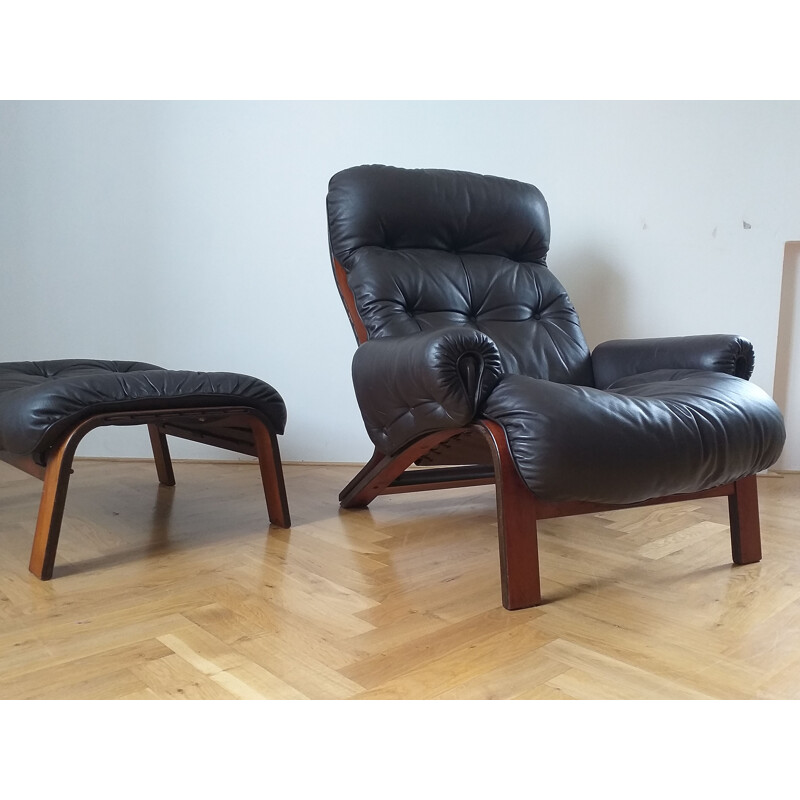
x=248, y=460
x=770, y=473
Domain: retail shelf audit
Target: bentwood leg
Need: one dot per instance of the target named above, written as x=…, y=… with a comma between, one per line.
x=51, y=509
x=269, y=462
x=745, y=526
x=368, y=483
x=516, y=527
x=378, y=474
x=158, y=440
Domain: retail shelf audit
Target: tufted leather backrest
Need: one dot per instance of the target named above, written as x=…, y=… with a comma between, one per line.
x=420, y=249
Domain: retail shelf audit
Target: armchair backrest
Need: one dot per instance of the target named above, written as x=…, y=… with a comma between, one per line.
x=419, y=249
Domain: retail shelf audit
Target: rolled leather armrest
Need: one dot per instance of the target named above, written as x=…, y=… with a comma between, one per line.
x=407, y=386
x=718, y=352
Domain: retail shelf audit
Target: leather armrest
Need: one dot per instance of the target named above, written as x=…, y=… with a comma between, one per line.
x=721, y=352
x=407, y=386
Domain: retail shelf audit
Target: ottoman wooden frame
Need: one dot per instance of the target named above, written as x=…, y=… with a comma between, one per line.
x=236, y=428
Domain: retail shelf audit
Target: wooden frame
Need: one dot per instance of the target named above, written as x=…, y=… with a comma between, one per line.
x=236, y=428
x=519, y=510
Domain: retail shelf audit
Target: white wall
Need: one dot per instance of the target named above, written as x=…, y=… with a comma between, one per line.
x=193, y=234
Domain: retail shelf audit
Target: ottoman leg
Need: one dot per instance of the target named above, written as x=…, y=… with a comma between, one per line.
x=51, y=509
x=269, y=462
x=158, y=440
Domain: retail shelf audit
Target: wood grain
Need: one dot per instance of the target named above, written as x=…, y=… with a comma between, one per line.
x=186, y=593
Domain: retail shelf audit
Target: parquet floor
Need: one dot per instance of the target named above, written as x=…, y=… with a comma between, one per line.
x=182, y=593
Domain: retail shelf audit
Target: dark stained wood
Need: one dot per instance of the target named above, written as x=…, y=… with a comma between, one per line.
x=215, y=430
x=414, y=480
x=269, y=461
x=53, y=500
x=745, y=525
x=354, y=495
x=516, y=527
x=378, y=475
x=469, y=447
x=158, y=440
x=547, y=510
x=349, y=302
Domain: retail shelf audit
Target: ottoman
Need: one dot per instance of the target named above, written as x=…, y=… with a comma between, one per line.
x=47, y=407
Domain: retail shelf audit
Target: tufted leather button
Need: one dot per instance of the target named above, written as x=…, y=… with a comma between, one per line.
x=537, y=316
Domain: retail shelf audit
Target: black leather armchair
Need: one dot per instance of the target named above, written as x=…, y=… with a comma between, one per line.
x=472, y=365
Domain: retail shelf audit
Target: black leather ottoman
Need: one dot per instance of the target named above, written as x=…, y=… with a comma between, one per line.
x=47, y=407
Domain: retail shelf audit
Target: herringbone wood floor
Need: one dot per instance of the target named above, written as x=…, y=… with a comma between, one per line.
x=183, y=593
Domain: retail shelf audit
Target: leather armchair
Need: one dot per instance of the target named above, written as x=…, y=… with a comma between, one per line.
x=472, y=364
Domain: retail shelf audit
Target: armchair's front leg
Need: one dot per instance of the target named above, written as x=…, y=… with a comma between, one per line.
x=516, y=526
x=745, y=525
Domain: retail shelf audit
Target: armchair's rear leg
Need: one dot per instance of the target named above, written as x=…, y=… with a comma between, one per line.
x=377, y=475
x=51, y=510
x=370, y=481
x=269, y=462
x=516, y=527
x=745, y=526
x=158, y=440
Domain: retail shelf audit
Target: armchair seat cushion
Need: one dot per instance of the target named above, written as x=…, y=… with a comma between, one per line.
x=42, y=400
x=650, y=435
